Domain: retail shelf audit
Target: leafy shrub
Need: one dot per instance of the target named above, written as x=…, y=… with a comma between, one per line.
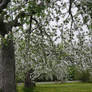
x=77, y=75
x=71, y=73
x=19, y=80
x=83, y=76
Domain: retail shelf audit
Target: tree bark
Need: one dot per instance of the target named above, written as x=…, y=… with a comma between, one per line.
x=7, y=57
x=1, y=70
x=7, y=65
x=29, y=83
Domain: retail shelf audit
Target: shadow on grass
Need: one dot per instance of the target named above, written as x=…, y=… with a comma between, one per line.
x=0, y=90
x=28, y=89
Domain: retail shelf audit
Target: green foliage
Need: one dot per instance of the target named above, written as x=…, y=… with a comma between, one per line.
x=83, y=76
x=19, y=80
x=90, y=27
x=71, y=72
x=77, y=75
x=34, y=8
x=6, y=39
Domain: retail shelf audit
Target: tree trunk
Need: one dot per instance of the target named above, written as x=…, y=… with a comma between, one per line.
x=29, y=83
x=0, y=70
x=7, y=65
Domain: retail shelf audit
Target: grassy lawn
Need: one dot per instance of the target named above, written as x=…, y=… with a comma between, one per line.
x=66, y=87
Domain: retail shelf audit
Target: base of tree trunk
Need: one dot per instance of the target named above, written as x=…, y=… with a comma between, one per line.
x=28, y=81
x=29, y=84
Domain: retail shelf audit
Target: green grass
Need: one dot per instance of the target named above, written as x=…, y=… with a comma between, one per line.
x=66, y=87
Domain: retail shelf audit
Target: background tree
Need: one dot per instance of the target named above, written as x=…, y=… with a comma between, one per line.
x=68, y=22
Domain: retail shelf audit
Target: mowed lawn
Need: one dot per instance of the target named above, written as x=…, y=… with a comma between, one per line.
x=66, y=87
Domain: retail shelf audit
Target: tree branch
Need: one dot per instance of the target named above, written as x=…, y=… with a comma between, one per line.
x=70, y=7
x=3, y=4
x=21, y=14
